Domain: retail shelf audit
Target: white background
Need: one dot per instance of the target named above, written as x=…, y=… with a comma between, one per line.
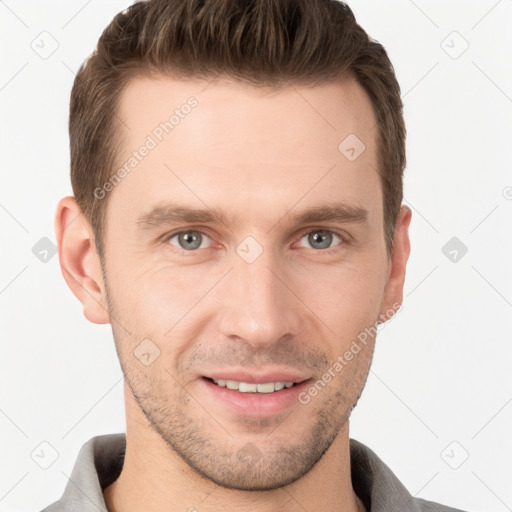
x=442, y=368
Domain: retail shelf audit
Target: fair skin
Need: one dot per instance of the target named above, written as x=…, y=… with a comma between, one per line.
x=262, y=157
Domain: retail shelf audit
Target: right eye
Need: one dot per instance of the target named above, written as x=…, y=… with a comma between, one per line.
x=188, y=240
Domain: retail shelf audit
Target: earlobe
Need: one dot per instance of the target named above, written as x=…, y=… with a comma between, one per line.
x=79, y=261
x=393, y=294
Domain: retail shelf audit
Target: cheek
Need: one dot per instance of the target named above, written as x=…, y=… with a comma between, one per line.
x=164, y=303
x=345, y=296
x=144, y=284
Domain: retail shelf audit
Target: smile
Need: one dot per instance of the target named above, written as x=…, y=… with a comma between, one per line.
x=246, y=387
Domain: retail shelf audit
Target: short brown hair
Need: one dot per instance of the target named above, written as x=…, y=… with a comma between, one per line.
x=260, y=42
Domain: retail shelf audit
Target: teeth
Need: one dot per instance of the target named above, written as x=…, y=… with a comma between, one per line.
x=231, y=384
x=269, y=387
x=245, y=387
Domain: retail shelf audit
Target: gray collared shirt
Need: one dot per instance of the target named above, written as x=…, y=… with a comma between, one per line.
x=101, y=459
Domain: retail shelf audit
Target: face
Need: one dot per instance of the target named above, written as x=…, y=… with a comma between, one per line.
x=244, y=248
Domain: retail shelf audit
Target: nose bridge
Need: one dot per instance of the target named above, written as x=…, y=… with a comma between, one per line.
x=258, y=307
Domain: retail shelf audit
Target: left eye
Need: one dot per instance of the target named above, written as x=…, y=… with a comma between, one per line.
x=321, y=239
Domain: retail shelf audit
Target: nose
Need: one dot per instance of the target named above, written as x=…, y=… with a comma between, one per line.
x=259, y=305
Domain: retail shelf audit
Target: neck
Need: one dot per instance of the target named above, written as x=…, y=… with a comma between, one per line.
x=155, y=478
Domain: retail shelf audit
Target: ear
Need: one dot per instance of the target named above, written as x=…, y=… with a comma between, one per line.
x=393, y=293
x=79, y=261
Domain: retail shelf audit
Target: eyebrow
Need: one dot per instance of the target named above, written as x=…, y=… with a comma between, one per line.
x=170, y=213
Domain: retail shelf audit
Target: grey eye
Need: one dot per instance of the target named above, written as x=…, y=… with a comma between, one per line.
x=321, y=239
x=189, y=240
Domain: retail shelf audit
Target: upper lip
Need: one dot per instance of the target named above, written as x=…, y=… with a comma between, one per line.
x=257, y=377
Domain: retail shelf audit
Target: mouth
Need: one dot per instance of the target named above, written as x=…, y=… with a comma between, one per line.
x=254, y=396
x=253, y=393
x=252, y=387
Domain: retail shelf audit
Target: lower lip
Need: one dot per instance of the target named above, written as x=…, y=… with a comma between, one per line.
x=257, y=405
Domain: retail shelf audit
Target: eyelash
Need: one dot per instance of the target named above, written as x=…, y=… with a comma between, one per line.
x=344, y=239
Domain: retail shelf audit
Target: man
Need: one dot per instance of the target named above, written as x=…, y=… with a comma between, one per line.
x=237, y=219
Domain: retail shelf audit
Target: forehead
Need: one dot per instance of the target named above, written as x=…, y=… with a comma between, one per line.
x=232, y=145
x=336, y=108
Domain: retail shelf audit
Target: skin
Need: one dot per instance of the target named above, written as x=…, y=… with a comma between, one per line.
x=261, y=156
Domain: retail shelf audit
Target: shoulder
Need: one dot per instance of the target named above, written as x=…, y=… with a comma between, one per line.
x=380, y=489
x=431, y=506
